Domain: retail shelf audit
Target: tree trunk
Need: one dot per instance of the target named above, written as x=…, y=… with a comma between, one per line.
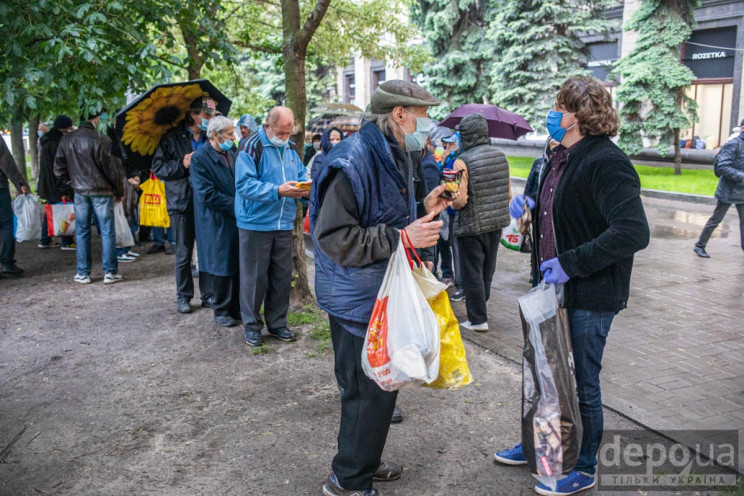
x=677, y=154
x=196, y=62
x=33, y=142
x=16, y=144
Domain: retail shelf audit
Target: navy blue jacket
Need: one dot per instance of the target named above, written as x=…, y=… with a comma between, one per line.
x=432, y=175
x=213, y=183
x=382, y=196
x=731, y=168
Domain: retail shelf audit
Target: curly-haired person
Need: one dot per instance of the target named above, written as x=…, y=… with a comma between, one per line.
x=588, y=221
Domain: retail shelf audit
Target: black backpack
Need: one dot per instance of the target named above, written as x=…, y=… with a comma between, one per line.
x=716, y=159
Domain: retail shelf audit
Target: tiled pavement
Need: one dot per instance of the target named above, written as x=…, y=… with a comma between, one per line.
x=675, y=357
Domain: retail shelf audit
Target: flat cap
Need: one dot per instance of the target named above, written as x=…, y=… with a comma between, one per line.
x=398, y=92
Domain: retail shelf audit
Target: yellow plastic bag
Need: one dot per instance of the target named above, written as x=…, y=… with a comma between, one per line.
x=453, y=364
x=152, y=207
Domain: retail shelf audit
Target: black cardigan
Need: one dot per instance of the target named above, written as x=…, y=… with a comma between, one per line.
x=599, y=224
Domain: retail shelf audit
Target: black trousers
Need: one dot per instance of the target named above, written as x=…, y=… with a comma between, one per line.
x=183, y=230
x=226, y=290
x=265, y=277
x=455, y=252
x=7, y=238
x=478, y=263
x=444, y=255
x=366, y=411
x=718, y=214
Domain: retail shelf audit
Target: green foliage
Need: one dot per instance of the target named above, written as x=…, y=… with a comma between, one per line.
x=263, y=349
x=322, y=334
x=536, y=48
x=653, y=80
x=455, y=36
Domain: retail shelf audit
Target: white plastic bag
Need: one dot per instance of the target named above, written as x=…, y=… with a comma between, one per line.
x=26, y=210
x=512, y=237
x=124, y=238
x=401, y=348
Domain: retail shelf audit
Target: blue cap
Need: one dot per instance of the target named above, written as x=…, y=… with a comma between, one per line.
x=248, y=121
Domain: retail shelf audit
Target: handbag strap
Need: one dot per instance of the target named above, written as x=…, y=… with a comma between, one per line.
x=404, y=236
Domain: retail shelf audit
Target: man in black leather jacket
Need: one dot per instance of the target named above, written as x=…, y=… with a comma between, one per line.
x=730, y=190
x=171, y=165
x=8, y=170
x=83, y=165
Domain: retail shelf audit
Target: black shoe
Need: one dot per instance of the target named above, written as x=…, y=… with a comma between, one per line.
x=700, y=252
x=170, y=250
x=12, y=270
x=459, y=295
x=184, y=306
x=387, y=471
x=225, y=321
x=283, y=334
x=253, y=338
x=208, y=302
x=156, y=248
x=397, y=416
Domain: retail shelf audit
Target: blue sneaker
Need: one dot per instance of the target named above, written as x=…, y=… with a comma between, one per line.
x=512, y=456
x=572, y=483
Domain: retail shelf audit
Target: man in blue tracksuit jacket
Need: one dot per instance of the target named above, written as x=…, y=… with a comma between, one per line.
x=266, y=171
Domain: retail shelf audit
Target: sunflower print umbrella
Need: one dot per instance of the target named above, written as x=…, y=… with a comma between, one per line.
x=143, y=123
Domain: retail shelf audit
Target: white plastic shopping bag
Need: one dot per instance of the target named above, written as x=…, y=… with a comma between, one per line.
x=511, y=236
x=124, y=238
x=27, y=212
x=401, y=348
x=60, y=219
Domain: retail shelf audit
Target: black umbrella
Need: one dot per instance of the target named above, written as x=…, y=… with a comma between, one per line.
x=142, y=123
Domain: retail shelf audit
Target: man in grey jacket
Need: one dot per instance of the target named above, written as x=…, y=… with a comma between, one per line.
x=483, y=205
x=8, y=170
x=730, y=191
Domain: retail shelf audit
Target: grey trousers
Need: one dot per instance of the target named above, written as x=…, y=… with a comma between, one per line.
x=718, y=214
x=265, y=277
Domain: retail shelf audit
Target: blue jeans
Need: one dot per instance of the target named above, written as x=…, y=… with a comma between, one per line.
x=102, y=207
x=589, y=332
x=159, y=233
x=7, y=237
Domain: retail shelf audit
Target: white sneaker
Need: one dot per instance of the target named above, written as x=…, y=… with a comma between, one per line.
x=478, y=328
x=82, y=279
x=111, y=278
x=126, y=258
x=133, y=254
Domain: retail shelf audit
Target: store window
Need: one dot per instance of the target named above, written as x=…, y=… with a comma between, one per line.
x=710, y=54
x=601, y=58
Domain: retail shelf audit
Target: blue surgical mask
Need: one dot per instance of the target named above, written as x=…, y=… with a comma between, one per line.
x=40, y=133
x=553, y=123
x=226, y=146
x=104, y=117
x=203, y=124
x=277, y=141
x=417, y=139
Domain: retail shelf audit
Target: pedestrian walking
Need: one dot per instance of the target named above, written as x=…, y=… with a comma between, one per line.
x=9, y=170
x=171, y=164
x=730, y=168
x=364, y=193
x=213, y=181
x=84, y=168
x=588, y=223
x=265, y=176
x=482, y=206
x=47, y=186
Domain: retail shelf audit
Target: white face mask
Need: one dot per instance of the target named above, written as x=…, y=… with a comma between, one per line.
x=277, y=141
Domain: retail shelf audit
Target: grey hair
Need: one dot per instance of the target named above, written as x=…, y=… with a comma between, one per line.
x=383, y=121
x=217, y=124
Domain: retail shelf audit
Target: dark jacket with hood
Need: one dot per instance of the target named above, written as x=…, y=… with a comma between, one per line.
x=84, y=165
x=599, y=223
x=167, y=165
x=731, y=169
x=487, y=207
x=47, y=187
x=325, y=147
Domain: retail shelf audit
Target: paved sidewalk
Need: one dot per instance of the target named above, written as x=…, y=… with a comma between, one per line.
x=675, y=357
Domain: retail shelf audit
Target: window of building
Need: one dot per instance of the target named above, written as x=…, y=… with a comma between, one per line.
x=349, y=88
x=378, y=77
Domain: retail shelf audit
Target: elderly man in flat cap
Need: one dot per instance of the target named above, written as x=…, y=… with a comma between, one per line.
x=365, y=193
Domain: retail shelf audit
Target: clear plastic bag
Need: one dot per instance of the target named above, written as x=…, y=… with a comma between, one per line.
x=60, y=219
x=401, y=348
x=511, y=236
x=124, y=238
x=551, y=421
x=27, y=212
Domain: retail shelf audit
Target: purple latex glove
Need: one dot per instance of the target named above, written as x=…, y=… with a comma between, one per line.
x=553, y=272
x=516, y=207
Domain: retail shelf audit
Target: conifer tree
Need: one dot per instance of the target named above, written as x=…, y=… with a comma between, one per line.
x=653, y=80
